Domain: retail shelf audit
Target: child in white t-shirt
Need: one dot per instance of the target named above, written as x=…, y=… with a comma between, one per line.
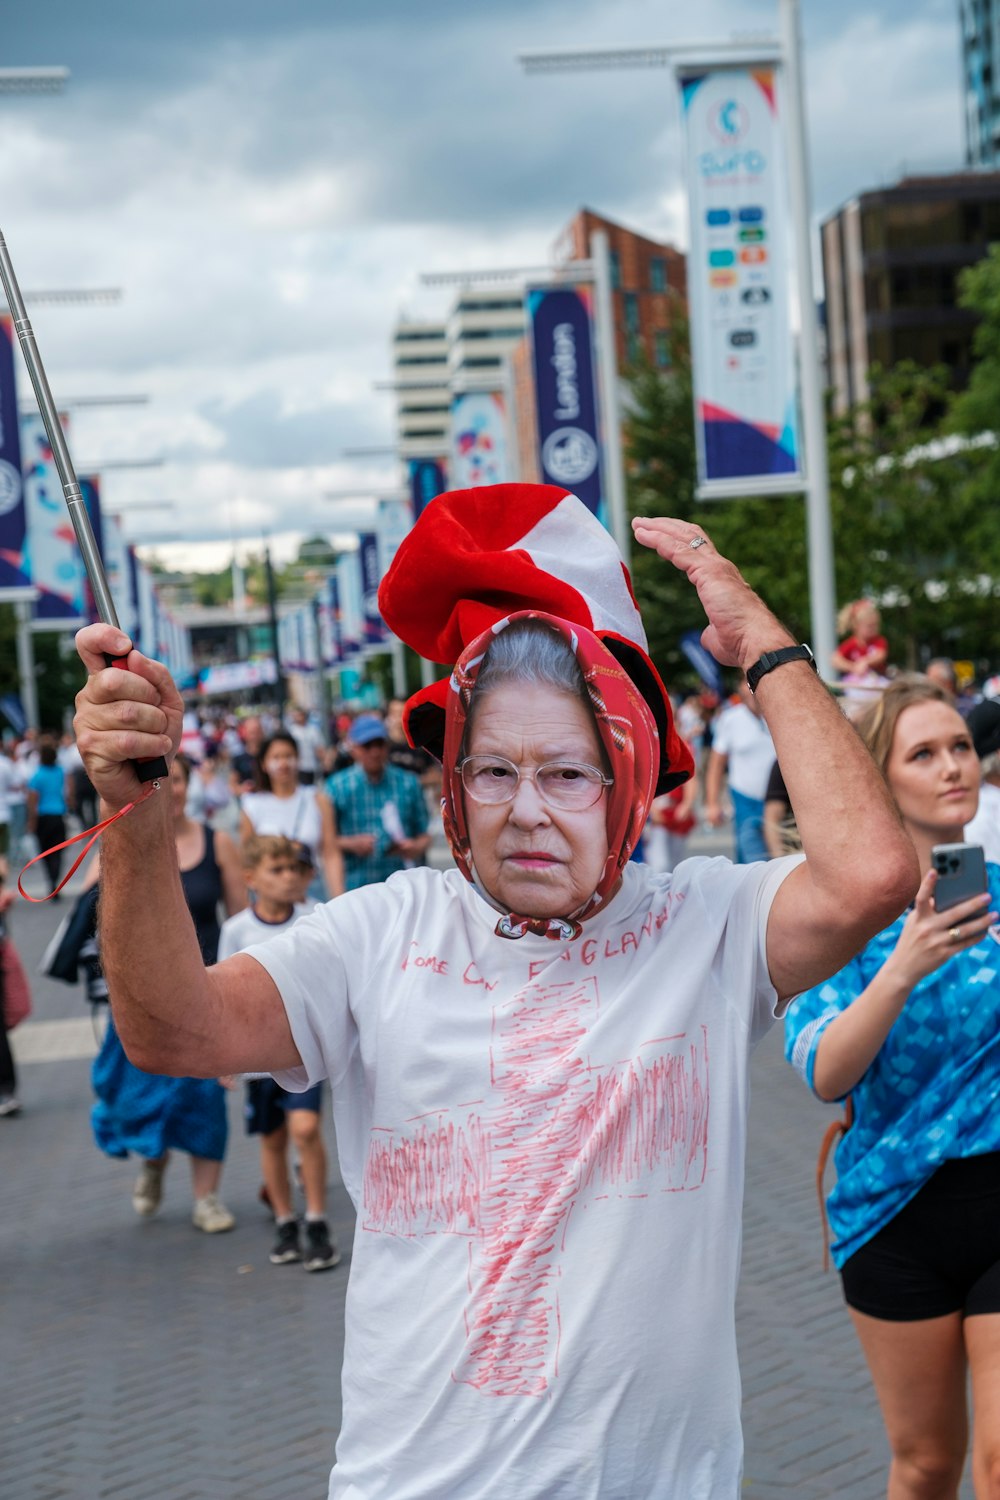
x=277, y=871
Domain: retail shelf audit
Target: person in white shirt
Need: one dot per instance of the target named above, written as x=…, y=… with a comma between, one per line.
x=539, y=1058
x=983, y=722
x=311, y=743
x=12, y=795
x=276, y=872
x=743, y=750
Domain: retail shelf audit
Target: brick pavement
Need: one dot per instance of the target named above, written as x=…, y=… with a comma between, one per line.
x=142, y=1359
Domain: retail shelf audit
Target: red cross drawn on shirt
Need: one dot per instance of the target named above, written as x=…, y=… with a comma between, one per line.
x=506, y=1172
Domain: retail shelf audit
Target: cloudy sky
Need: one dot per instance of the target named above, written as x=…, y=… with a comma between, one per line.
x=266, y=184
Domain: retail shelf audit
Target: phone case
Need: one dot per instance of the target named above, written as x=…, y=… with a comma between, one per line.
x=961, y=873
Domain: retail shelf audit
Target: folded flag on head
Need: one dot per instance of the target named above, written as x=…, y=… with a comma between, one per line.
x=476, y=556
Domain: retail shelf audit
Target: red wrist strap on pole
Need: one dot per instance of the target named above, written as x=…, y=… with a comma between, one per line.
x=94, y=834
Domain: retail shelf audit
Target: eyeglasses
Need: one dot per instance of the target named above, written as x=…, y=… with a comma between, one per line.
x=561, y=783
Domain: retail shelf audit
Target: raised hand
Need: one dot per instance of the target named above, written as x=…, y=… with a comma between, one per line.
x=740, y=625
x=122, y=716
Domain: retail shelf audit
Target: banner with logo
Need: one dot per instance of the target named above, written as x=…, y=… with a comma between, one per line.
x=478, y=440
x=395, y=521
x=349, y=588
x=120, y=571
x=13, y=525
x=90, y=489
x=53, y=558
x=743, y=356
x=428, y=479
x=145, y=610
x=373, y=628
x=561, y=319
x=329, y=623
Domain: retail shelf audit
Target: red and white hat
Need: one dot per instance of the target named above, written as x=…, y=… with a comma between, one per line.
x=476, y=556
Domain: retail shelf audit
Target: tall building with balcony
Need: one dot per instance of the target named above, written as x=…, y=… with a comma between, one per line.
x=980, y=27
x=485, y=326
x=420, y=372
x=891, y=262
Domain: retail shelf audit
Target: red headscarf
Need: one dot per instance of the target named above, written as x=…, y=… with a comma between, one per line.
x=627, y=731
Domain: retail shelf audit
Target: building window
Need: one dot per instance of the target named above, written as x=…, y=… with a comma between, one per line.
x=661, y=345
x=658, y=274
x=632, y=311
x=616, y=270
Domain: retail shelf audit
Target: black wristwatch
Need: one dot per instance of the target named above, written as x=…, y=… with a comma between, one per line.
x=772, y=659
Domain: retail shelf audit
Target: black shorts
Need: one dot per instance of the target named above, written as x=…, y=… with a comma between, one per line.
x=267, y=1104
x=939, y=1255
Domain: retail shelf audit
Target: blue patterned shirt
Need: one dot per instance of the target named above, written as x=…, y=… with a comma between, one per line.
x=933, y=1091
x=359, y=807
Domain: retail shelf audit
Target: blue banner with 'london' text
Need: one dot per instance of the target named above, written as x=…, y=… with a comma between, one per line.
x=566, y=405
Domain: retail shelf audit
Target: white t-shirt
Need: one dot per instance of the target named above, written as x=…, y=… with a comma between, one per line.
x=11, y=786
x=746, y=740
x=310, y=742
x=297, y=817
x=246, y=929
x=985, y=826
x=545, y=1146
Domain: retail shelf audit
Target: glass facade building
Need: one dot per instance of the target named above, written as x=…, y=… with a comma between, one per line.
x=891, y=262
x=980, y=24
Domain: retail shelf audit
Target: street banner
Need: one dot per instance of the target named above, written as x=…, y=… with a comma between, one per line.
x=395, y=521
x=561, y=319
x=702, y=660
x=146, y=610
x=349, y=587
x=237, y=676
x=329, y=623
x=52, y=555
x=478, y=440
x=428, y=479
x=13, y=524
x=118, y=566
x=90, y=489
x=372, y=626
x=742, y=351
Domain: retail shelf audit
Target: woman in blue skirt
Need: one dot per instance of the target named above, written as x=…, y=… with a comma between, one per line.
x=152, y=1115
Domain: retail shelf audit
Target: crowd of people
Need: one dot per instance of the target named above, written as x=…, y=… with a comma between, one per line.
x=538, y=1058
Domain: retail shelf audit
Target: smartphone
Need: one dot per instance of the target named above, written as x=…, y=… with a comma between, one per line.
x=961, y=873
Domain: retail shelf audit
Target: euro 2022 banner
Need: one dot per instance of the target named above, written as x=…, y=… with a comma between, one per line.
x=478, y=440
x=13, y=525
x=561, y=319
x=746, y=393
x=53, y=557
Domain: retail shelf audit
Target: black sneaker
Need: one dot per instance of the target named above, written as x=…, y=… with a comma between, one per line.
x=286, y=1246
x=321, y=1253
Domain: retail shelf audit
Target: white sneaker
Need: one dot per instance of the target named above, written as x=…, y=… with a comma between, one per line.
x=9, y=1105
x=211, y=1215
x=148, y=1188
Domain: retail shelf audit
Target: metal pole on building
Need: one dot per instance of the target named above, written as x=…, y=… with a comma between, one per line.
x=607, y=375
x=822, y=588
x=26, y=663
x=272, y=609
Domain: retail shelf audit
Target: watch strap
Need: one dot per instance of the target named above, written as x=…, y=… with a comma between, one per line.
x=772, y=659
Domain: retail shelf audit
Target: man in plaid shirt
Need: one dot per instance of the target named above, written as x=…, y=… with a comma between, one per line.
x=379, y=809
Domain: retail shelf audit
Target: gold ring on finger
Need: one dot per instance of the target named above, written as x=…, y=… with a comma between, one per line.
x=955, y=933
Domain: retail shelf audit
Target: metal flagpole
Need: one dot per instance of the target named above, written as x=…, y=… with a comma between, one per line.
x=822, y=589
x=607, y=369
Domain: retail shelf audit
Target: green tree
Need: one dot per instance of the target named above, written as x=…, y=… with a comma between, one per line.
x=910, y=529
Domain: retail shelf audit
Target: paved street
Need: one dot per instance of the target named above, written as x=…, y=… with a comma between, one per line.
x=142, y=1359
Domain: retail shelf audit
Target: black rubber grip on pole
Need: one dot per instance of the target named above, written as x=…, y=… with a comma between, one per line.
x=154, y=769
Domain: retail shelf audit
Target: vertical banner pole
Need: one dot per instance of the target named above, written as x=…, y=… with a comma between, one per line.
x=26, y=663
x=398, y=668
x=822, y=589
x=607, y=372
